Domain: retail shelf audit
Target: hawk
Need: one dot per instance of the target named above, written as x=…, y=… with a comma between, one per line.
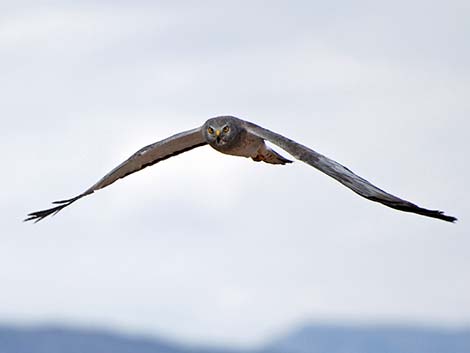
x=233, y=136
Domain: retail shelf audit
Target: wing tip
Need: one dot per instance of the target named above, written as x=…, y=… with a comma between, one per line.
x=434, y=214
x=447, y=218
x=40, y=215
x=407, y=206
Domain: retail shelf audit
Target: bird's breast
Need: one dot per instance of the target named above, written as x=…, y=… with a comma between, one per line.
x=244, y=145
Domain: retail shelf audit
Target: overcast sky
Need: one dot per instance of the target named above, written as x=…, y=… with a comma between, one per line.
x=210, y=248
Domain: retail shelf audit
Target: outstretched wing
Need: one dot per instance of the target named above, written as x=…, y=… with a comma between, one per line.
x=144, y=157
x=342, y=174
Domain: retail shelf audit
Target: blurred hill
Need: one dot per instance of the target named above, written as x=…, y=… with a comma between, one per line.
x=308, y=339
x=372, y=339
x=69, y=340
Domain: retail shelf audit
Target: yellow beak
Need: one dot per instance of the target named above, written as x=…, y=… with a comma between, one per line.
x=217, y=132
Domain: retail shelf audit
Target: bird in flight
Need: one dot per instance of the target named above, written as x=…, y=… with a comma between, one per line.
x=233, y=136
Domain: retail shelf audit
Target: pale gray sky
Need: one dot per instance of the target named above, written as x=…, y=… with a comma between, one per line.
x=210, y=248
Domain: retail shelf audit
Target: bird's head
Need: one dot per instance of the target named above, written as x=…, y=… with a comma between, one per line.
x=222, y=131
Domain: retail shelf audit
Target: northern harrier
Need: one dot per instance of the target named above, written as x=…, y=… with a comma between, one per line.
x=237, y=137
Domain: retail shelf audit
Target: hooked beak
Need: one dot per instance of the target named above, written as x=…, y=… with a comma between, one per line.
x=217, y=133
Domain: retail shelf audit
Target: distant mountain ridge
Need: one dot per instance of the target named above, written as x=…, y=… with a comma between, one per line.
x=372, y=339
x=308, y=339
x=54, y=339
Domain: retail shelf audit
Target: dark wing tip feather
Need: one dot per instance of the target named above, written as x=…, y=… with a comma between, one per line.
x=68, y=201
x=40, y=215
x=410, y=207
x=438, y=215
x=448, y=218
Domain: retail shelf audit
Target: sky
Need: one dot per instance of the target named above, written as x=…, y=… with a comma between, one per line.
x=210, y=248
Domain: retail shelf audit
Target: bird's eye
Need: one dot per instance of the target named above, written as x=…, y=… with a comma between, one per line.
x=210, y=130
x=226, y=129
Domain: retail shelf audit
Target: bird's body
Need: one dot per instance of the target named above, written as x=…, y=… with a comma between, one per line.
x=243, y=144
x=237, y=137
